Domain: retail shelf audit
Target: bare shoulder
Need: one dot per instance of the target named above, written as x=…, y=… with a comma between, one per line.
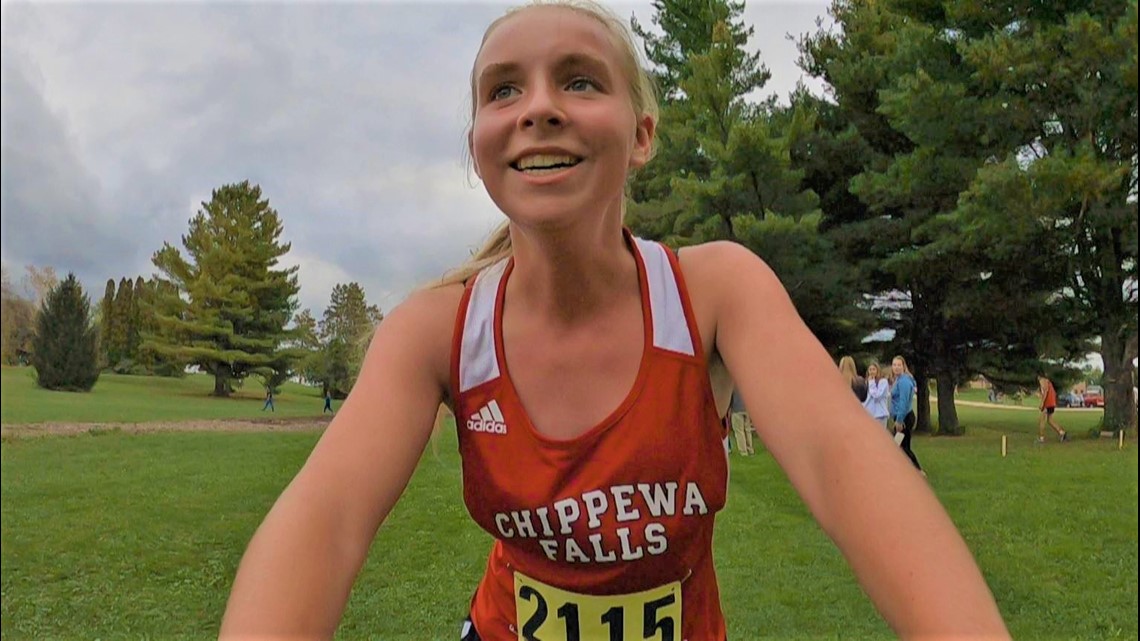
x=721, y=272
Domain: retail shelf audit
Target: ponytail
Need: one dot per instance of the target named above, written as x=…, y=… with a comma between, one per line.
x=497, y=247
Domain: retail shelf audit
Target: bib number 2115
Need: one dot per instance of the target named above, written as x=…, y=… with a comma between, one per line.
x=546, y=613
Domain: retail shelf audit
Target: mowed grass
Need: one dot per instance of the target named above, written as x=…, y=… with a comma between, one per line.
x=117, y=398
x=137, y=536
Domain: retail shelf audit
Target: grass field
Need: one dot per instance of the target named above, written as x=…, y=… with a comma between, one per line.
x=128, y=399
x=137, y=536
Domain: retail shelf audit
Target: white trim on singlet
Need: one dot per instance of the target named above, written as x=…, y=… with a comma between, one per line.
x=670, y=326
x=477, y=362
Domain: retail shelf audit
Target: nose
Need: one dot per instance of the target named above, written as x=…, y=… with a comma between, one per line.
x=543, y=109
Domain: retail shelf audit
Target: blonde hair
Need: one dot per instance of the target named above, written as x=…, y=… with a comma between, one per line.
x=847, y=368
x=906, y=369
x=642, y=93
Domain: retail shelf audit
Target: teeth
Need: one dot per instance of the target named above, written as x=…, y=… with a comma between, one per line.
x=546, y=161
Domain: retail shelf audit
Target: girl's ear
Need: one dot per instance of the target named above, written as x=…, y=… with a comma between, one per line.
x=643, y=141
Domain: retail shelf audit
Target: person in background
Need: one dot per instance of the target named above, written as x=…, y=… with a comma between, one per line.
x=268, y=400
x=902, y=414
x=741, y=425
x=851, y=374
x=1048, y=406
x=878, y=390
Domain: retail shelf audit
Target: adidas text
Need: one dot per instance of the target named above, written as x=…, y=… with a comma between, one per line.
x=488, y=419
x=479, y=425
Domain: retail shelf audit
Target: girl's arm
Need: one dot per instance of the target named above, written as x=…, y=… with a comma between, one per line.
x=298, y=570
x=878, y=389
x=841, y=475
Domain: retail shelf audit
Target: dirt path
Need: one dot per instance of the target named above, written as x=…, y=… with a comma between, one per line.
x=296, y=424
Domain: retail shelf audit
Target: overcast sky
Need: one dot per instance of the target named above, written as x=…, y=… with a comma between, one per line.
x=120, y=119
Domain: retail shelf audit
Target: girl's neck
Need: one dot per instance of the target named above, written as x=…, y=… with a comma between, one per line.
x=569, y=274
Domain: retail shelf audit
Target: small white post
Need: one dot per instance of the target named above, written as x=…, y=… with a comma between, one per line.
x=1003, y=447
x=1122, y=438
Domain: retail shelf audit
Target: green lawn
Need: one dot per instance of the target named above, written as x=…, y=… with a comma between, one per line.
x=112, y=535
x=118, y=398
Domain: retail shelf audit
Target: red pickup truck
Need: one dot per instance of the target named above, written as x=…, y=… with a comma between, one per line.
x=1093, y=396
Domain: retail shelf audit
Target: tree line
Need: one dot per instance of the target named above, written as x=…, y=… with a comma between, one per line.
x=965, y=189
x=220, y=304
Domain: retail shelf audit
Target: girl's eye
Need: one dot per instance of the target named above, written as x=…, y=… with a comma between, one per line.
x=581, y=84
x=502, y=92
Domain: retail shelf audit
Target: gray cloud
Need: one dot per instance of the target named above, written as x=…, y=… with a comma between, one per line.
x=119, y=119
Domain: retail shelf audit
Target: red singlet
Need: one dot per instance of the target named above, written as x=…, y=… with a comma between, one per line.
x=612, y=530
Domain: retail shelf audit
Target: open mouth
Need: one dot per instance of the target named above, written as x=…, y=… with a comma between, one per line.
x=544, y=163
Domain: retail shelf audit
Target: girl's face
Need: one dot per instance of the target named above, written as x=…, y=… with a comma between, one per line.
x=897, y=367
x=554, y=133
x=873, y=371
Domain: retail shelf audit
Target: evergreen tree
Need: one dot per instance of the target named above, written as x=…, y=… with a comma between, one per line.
x=307, y=339
x=232, y=301
x=918, y=126
x=66, y=345
x=134, y=319
x=157, y=297
x=727, y=170
x=124, y=300
x=345, y=327
x=689, y=29
x=1071, y=170
x=107, y=325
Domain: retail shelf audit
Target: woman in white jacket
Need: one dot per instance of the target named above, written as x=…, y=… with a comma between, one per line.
x=878, y=391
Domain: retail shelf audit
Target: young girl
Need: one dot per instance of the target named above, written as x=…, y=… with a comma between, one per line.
x=850, y=374
x=1048, y=407
x=597, y=459
x=877, y=393
x=902, y=397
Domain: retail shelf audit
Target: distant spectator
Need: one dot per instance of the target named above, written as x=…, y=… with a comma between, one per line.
x=741, y=425
x=1048, y=406
x=902, y=395
x=877, y=392
x=268, y=400
x=851, y=375
x=328, y=402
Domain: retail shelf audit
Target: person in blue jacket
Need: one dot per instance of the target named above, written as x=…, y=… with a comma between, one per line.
x=902, y=413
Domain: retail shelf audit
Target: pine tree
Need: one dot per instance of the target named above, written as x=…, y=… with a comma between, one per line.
x=1071, y=171
x=344, y=328
x=724, y=172
x=107, y=325
x=307, y=339
x=910, y=126
x=124, y=300
x=158, y=298
x=230, y=303
x=66, y=343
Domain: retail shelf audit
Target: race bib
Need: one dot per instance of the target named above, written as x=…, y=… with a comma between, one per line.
x=546, y=613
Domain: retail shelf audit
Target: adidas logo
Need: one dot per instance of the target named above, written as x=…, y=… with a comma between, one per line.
x=488, y=419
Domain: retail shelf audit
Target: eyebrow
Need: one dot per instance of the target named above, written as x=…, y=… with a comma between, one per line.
x=497, y=70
